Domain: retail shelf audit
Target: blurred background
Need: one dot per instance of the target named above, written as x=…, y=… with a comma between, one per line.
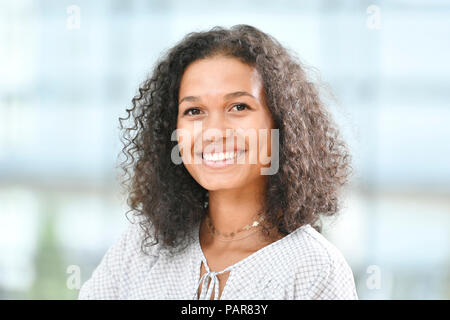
x=68, y=70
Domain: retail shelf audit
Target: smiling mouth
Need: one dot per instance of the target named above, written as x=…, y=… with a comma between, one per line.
x=221, y=159
x=221, y=156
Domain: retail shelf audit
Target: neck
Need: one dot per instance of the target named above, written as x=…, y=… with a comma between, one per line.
x=231, y=209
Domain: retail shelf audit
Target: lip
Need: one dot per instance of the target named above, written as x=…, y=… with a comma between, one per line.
x=223, y=163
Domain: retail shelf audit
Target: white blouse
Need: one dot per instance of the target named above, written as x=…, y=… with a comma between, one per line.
x=301, y=265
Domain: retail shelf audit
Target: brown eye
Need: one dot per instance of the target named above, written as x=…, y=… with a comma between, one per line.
x=240, y=106
x=195, y=111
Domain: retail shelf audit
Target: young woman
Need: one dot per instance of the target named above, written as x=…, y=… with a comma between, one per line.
x=231, y=158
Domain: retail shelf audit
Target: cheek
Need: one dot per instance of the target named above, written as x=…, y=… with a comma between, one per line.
x=189, y=147
x=184, y=139
x=265, y=144
x=265, y=150
x=192, y=171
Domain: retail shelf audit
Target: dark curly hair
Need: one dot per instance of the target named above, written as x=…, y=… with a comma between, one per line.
x=313, y=161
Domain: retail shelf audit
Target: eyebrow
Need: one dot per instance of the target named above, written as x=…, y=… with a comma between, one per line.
x=226, y=97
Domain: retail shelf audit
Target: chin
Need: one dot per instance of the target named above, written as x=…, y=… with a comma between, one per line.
x=211, y=186
x=215, y=183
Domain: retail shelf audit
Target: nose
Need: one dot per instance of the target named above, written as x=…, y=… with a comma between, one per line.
x=215, y=127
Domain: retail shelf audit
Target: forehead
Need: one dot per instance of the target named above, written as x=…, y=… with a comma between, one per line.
x=219, y=75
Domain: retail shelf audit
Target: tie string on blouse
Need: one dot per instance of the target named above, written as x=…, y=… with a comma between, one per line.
x=207, y=290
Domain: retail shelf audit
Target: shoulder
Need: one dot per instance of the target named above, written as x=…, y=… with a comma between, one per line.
x=318, y=269
x=319, y=247
x=122, y=265
x=306, y=247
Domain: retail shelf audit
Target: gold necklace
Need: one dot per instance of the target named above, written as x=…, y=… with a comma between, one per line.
x=231, y=235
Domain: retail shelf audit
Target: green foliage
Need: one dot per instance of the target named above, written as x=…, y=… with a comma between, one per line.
x=49, y=261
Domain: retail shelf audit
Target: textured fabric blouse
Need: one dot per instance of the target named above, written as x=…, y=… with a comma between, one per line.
x=301, y=265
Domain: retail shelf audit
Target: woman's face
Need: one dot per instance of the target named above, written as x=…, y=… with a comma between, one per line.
x=223, y=124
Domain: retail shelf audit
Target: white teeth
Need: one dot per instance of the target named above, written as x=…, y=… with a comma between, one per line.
x=219, y=156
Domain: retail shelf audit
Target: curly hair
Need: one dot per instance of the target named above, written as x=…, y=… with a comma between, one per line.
x=314, y=162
